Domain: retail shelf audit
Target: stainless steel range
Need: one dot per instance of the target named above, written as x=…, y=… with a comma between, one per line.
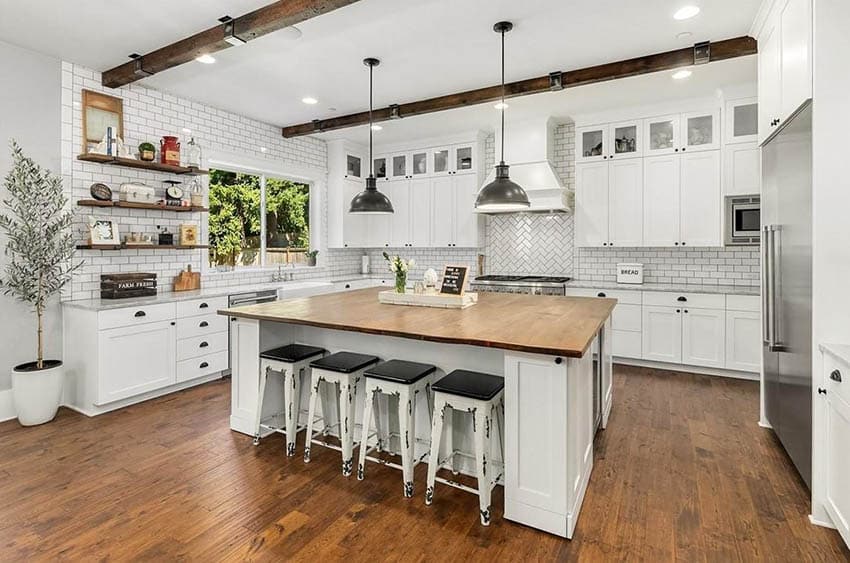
x=534, y=285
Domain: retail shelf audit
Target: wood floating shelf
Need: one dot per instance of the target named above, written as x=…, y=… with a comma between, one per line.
x=139, y=247
x=141, y=164
x=133, y=205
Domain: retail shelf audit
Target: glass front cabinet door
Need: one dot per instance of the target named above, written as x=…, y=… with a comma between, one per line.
x=661, y=135
x=464, y=161
x=354, y=166
x=626, y=140
x=440, y=160
x=742, y=121
x=700, y=131
x=419, y=162
x=379, y=167
x=592, y=143
x=399, y=167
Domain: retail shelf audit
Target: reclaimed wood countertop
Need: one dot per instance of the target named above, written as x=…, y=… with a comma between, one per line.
x=538, y=324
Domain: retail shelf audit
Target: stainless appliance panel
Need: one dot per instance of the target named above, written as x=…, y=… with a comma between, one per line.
x=787, y=252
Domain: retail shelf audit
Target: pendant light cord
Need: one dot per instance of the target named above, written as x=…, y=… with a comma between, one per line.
x=503, y=97
x=371, y=171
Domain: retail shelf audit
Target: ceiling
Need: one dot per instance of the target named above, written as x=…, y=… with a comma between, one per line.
x=427, y=47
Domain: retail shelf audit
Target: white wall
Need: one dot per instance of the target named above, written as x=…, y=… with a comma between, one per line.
x=29, y=101
x=831, y=201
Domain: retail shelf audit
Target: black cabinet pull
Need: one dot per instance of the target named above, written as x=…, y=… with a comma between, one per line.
x=684, y=243
x=205, y=324
x=203, y=344
x=686, y=310
x=203, y=306
x=676, y=243
x=348, y=286
x=173, y=323
x=835, y=376
x=600, y=294
x=682, y=298
x=604, y=157
x=678, y=310
x=139, y=314
x=559, y=361
x=204, y=365
x=677, y=150
x=821, y=391
x=683, y=149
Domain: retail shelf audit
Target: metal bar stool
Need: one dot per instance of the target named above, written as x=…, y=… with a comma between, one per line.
x=481, y=395
x=405, y=381
x=343, y=370
x=292, y=362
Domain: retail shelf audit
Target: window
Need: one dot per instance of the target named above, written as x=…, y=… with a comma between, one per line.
x=257, y=220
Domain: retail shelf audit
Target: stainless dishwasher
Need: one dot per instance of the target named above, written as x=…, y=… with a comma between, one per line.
x=238, y=300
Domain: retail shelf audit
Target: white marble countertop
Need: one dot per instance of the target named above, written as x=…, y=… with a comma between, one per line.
x=208, y=292
x=840, y=351
x=684, y=288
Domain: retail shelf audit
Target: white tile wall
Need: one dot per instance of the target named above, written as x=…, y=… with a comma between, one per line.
x=436, y=258
x=148, y=115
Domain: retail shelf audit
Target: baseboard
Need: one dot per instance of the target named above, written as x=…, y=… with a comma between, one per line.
x=7, y=410
x=718, y=372
x=819, y=522
x=765, y=424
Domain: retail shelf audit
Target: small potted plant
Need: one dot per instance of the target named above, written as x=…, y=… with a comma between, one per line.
x=311, y=257
x=40, y=252
x=399, y=267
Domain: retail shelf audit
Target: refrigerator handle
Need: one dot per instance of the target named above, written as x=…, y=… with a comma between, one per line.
x=775, y=289
x=767, y=290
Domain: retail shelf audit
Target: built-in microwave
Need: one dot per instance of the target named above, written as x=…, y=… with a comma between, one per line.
x=743, y=220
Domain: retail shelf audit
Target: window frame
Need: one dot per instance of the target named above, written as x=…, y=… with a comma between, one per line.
x=314, y=178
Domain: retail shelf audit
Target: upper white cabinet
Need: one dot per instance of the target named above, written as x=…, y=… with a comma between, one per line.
x=610, y=141
x=609, y=203
x=432, y=190
x=663, y=135
x=785, y=63
x=742, y=121
x=682, y=203
x=694, y=131
x=741, y=153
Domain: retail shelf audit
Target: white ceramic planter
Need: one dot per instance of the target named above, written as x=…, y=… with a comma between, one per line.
x=36, y=394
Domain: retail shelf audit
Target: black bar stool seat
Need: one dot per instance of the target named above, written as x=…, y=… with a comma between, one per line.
x=400, y=371
x=471, y=384
x=292, y=353
x=345, y=362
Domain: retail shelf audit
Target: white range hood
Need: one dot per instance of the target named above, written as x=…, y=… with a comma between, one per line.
x=529, y=151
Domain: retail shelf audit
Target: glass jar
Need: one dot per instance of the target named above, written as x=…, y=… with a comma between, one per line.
x=193, y=154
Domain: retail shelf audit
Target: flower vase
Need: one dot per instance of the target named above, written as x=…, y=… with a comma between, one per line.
x=400, y=282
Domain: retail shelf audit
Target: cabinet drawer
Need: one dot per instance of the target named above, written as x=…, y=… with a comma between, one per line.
x=198, y=307
x=743, y=303
x=201, y=345
x=831, y=364
x=199, y=326
x=201, y=366
x=695, y=300
x=115, y=318
x=622, y=296
x=626, y=317
x=626, y=344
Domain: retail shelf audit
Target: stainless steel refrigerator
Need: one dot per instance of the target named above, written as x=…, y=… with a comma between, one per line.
x=786, y=241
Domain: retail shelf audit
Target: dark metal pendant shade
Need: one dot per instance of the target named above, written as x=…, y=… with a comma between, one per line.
x=370, y=201
x=502, y=194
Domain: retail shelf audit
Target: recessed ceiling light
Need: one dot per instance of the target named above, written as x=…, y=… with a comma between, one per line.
x=501, y=105
x=376, y=127
x=686, y=12
x=681, y=74
x=310, y=101
x=684, y=35
x=206, y=59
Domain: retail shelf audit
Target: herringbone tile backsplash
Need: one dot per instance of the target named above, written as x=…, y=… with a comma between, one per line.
x=530, y=244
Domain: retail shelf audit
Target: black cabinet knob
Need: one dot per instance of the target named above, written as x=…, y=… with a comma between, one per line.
x=676, y=243
x=348, y=286
x=559, y=361
x=678, y=310
x=821, y=391
x=676, y=150
x=600, y=294
x=686, y=310
x=684, y=148
x=204, y=365
x=139, y=314
x=203, y=306
x=684, y=243
x=604, y=244
x=173, y=323
x=835, y=376
x=604, y=157
x=203, y=344
x=682, y=298
x=204, y=324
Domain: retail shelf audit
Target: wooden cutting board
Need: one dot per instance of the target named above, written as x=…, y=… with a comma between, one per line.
x=187, y=280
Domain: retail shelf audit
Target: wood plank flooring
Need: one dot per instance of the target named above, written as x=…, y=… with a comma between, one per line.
x=683, y=472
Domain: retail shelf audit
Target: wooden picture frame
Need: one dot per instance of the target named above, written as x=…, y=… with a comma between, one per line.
x=103, y=232
x=454, y=280
x=99, y=112
x=188, y=234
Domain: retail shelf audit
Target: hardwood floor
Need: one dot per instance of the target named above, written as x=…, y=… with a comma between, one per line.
x=683, y=472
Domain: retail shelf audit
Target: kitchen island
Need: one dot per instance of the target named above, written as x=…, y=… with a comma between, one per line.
x=552, y=351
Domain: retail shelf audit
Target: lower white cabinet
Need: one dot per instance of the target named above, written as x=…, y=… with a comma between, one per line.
x=743, y=340
x=704, y=337
x=662, y=334
x=835, y=453
x=135, y=359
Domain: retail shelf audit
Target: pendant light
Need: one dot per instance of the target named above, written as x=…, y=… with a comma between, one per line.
x=370, y=201
x=502, y=194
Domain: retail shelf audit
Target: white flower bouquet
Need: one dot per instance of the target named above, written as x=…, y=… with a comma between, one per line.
x=399, y=267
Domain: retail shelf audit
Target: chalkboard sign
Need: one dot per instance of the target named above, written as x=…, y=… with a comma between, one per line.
x=454, y=279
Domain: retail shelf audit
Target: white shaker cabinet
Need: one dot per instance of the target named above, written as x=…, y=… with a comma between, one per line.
x=743, y=340
x=836, y=454
x=136, y=359
x=466, y=221
x=703, y=337
x=609, y=203
x=700, y=131
x=442, y=211
x=661, y=200
x=355, y=226
x=662, y=334
x=699, y=200
x=591, y=210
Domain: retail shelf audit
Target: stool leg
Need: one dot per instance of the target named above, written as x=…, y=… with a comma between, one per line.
x=346, y=424
x=379, y=423
x=368, y=405
x=261, y=392
x=481, y=437
x=329, y=407
x=437, y=420
x=292, y=381
x=448, y=424
x=500, y=417
x=315, y=383
x=408, y=438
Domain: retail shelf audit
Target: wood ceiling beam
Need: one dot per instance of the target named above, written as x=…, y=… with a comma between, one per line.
x=261, y=21
x=720, y=50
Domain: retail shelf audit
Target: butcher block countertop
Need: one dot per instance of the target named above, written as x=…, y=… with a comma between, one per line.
x=538, y=324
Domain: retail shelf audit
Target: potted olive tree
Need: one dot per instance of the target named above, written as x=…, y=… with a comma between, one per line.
x=40, y=250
